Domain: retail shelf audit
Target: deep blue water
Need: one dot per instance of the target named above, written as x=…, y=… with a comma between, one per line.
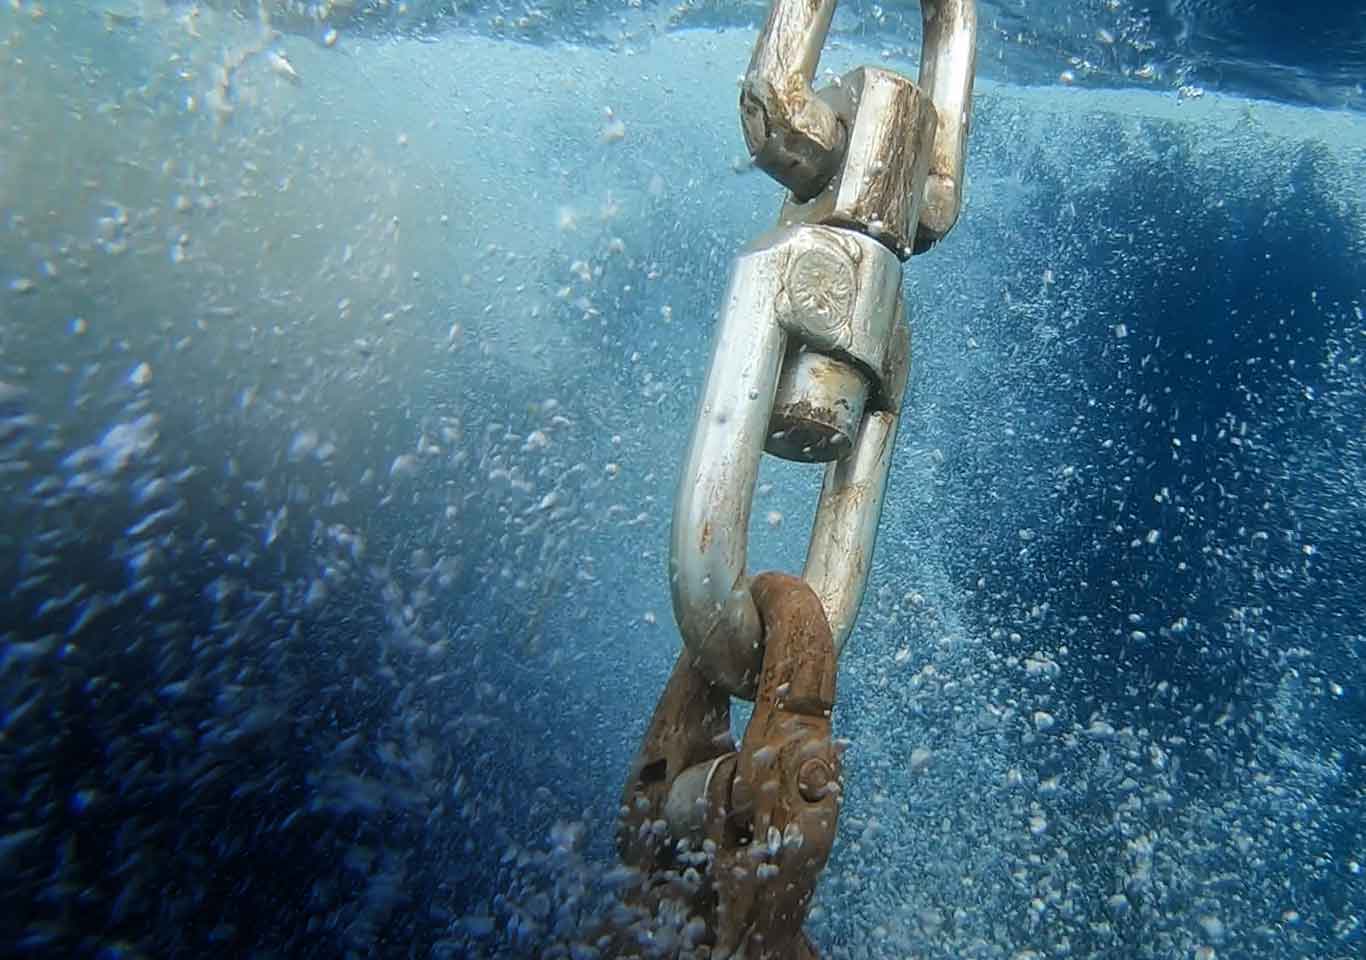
x=340, y=417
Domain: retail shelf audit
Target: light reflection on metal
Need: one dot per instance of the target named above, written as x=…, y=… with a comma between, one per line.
x=812, y=354
x=810, y=363
x=763, y=311
x=948, y=64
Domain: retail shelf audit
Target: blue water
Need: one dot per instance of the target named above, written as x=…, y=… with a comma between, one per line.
x=341, y=405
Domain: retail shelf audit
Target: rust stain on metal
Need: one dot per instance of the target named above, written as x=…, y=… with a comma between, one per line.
x=747, y=911
x=812, y=431
x=790, y=728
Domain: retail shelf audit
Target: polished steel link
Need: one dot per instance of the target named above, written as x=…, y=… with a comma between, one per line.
x=843, y=299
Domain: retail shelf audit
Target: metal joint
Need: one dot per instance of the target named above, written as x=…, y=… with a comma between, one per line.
x=873, y=152
x=759, y=819
x=812, y=355
x=802, y=300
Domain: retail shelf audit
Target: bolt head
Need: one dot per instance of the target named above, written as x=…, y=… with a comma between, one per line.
x=813, y=779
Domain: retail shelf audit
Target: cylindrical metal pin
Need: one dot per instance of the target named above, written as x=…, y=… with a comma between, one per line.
x=817, y=409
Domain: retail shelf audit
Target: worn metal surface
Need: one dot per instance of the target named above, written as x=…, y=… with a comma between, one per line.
x=710, y=533
x=785, y=799
x=689, y=732
x=878, y=187
x=806, y=139
x=845, y=531
x=734, y=841
x=837, y=293
x=948, y=64
x=818, y=407
x=793, y=135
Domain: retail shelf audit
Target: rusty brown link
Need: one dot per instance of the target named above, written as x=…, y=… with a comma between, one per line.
x=690, y=728
x=769, y=809
x=773, y=842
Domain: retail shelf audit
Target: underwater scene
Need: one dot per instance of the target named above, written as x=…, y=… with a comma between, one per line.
x=349, y=356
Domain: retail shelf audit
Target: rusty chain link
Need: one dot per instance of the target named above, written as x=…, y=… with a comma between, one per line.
x=810, y=363
x=732, y=840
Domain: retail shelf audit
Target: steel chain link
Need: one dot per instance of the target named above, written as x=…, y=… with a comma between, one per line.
x=810, y=363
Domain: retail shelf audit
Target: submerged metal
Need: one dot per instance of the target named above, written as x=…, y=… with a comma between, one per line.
x=734, y=838
x=811, y=356
x=810, y=363
x=326, y=620
x=715, y=612
x=799, y=136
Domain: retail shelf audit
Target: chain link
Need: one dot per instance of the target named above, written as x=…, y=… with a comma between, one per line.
x=810, y=364
x=812, y=352
x=728, y=840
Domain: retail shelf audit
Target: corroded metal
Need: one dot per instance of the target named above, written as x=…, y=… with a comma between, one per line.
x=774, y=841
x=879, y=186
x=690, y=728
x=793, y=135
x=737, y=838
x=818, y=407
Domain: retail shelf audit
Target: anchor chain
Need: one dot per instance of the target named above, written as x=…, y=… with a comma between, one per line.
x=810, y=363
x=729, y=841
